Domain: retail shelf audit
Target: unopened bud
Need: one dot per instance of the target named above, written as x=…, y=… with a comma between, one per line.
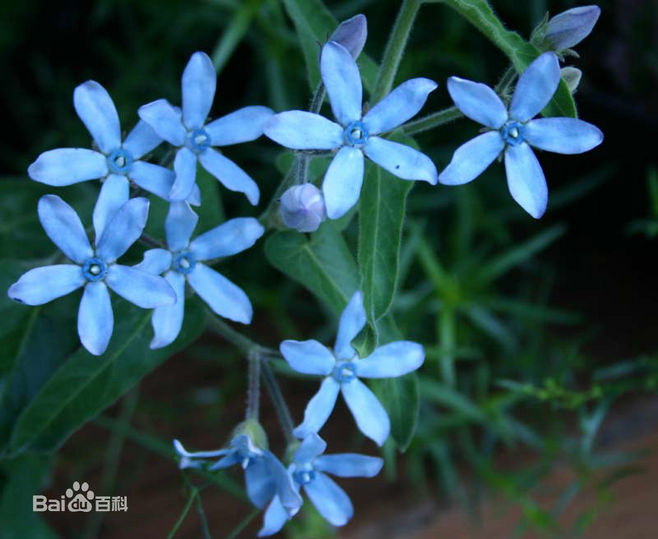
x=253, y=430
x=302, y=208
x=352, y=34
x=572, y=76
x=570, y=27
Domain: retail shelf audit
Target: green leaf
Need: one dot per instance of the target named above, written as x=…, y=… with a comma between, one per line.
x=401, y=400
x=324, y=265
x=450, y=398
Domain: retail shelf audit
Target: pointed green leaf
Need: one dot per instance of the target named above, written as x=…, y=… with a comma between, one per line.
x=400, y=398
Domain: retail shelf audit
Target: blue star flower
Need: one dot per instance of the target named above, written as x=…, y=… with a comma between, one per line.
x=514, y=131
x=118, y=223
x=182, y=262
x=187, y=130
x=343, y=369
x=355, y=134
x=115, y=160
x=309, y=471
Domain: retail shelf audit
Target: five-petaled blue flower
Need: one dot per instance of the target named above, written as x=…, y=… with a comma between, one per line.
x=182, y=262
x=187, y=130
x=117, y=161
x=355, y=134
x=342, y=370
x=117, y=224
x=514, y=132
x=309, y=471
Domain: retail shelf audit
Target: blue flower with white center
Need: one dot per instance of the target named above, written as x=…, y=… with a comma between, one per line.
x=196, y=140
x=118, y=223
x=355, y=134
x=514, y=131
x=183, y=262
x=116, y=160
x=342, y=370
x=309, y=471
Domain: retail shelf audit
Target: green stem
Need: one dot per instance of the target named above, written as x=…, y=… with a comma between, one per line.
x=317, y=99
x=447, y=339
x=237, y=339
x=186, y=510
x=282, y=411
x=431, y=121
x=505, y=82
x=253, y=389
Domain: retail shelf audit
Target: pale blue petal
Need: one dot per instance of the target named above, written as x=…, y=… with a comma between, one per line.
x=243, y=125
x=536, y=87
x=526, y=180
x=562, y=135
x=123, y=230
x=301, y=130
x=478, y=102
x=179, y=225
x=195, y=196
x=41, y=285
x=260, y=484
x=198, y=454
x=67, y=166
x=168, y=319
x=352, y=320
x=223, y=297
x=141, y=140
x=232, y=458
x=274, y=519
x=319, y=408
x=155, y=262
x=152, y=178
x=342, y=182
x=227, y=239
x=329, y=499
x=95, y=318
x=115, y=192
x=570, y=27
x=369, y=414
x=401, y=160
x=140, y=288
x=308, y=357
x=349, y=465
x=472, y=158
x=198, y=85
x=229, y=174
x=391, y=360
x=64, y=228
x=185, y=169
x=342, y=81
x=97, y=111
x=165, y=121
x=400, y=105
x=311, y=447
x=283, y=483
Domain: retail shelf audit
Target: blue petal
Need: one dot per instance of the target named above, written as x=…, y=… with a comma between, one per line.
x=223, y=297
x=41, y=285
x=64, y=228
x=229, y=174
x=391, y=360
x=165, y=121
x=319, y=408
x=570, y=27
x=95, y=318
x=198, y=85
x=349, y=465
x=274, y=519
x=198, y=454
x=301, y=130
x=141, y=140
x=284, y=485
x=185, y=168
x=123, y=230
x=562, y=135
x=143, y=289
x=536, y=87
x=155, y=262
x=115, y=192
x=231, y=459
x=308, y=357
x=227, y=239
x=342, y=81
x=260, y=484
x=478, y=102
x=152, y=178
x=195, y=196
x=472, y=158
x=329, y=499
x=401, y=104
x=352, y=320
x=179, y=225
x=369, y=414
x=66, y=166
x=525, y=179
x=168, y=319
x=311, y=447
x=243, y=125
x=401, y=160
x=97, y=111
x=342, y=182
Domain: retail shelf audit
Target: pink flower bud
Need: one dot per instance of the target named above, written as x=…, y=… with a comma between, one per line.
x=352, y=34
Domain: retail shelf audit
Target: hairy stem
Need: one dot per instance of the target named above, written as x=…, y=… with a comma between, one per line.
x=253, y=389
x=431, y=121
x=282, y=411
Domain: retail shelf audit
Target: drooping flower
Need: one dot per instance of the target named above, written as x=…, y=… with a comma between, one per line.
x=115, y=159
x=182, y=262
x=309, y=471
x=302, y=208
x=342, y=369
x=197, y=140
x=355, y=134
x=118, y=223
x=513, y=132
x=570, y=27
